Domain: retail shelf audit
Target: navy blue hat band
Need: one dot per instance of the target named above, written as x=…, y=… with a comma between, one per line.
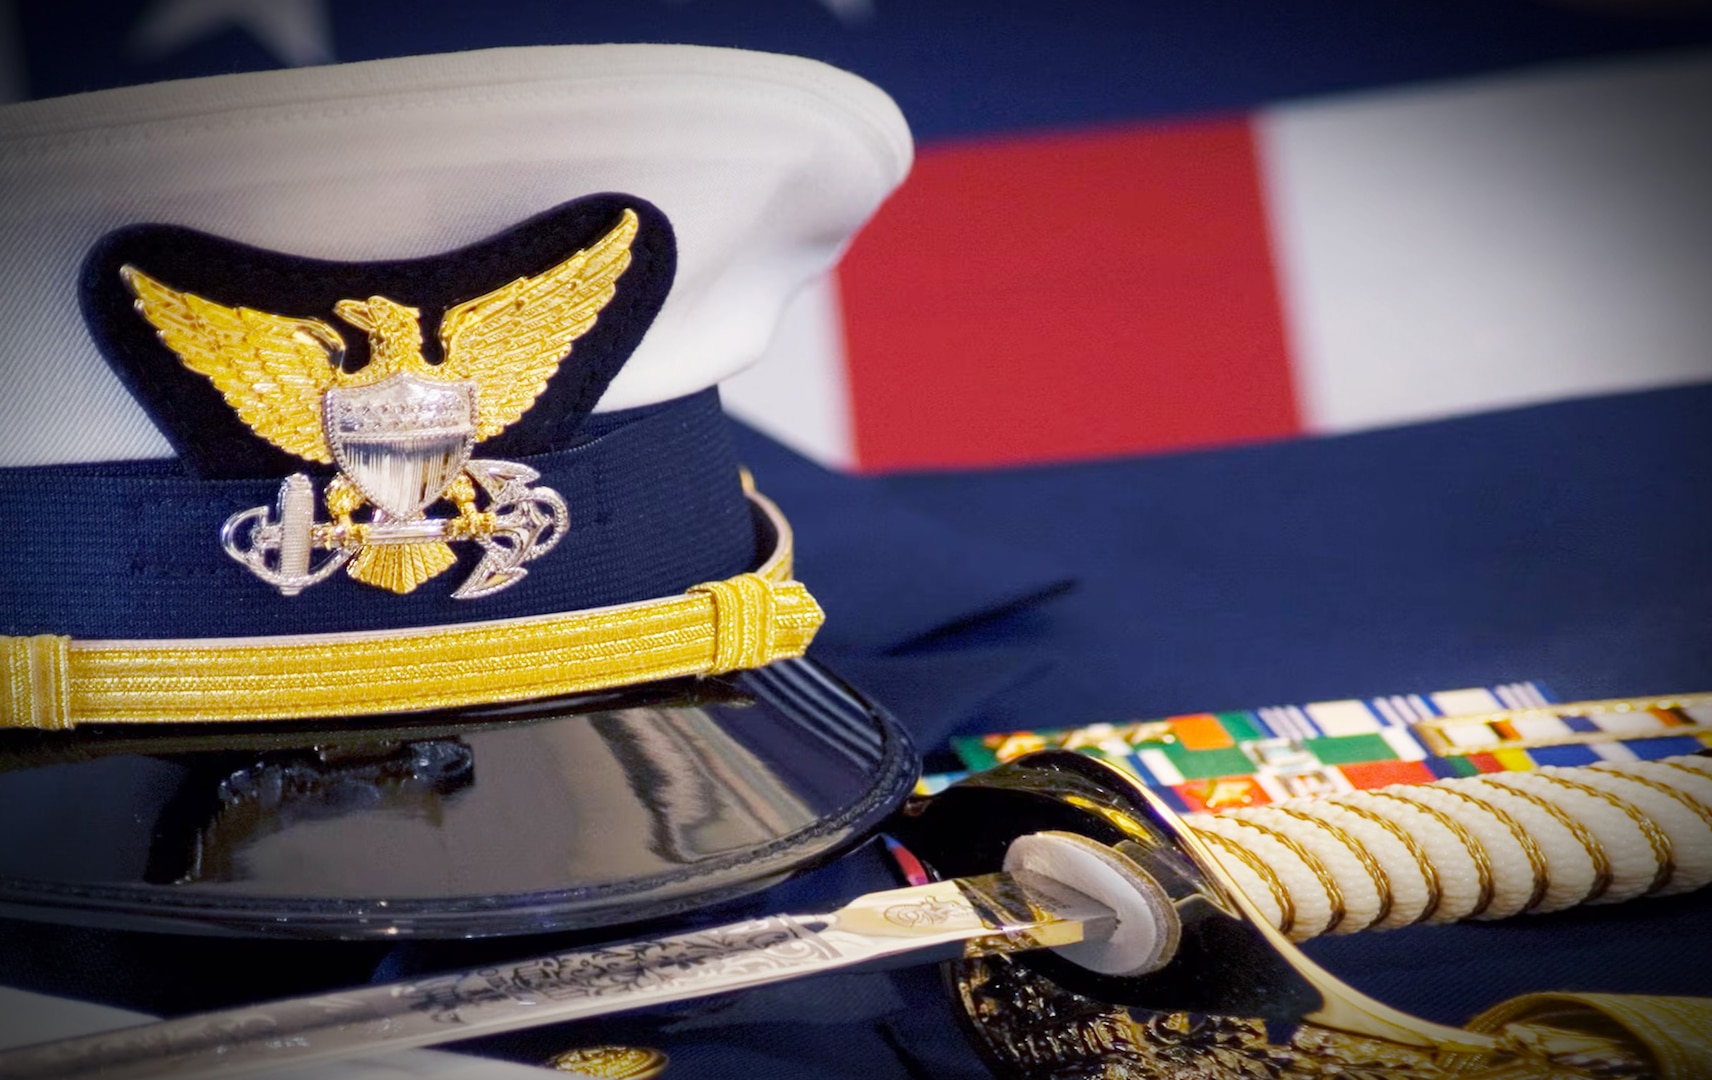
x=654, y=498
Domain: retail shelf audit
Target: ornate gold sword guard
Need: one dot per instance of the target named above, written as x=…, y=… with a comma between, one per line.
x=1239, y=1001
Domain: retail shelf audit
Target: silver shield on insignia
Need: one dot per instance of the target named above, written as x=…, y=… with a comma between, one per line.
x=402, y=440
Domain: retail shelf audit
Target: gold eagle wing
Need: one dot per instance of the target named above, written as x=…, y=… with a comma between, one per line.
x=511, y=341
x=272, y=369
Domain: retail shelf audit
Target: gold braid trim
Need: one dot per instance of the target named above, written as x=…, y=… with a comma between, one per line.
x=745, y=622
x=35, y=682
x=742, y=622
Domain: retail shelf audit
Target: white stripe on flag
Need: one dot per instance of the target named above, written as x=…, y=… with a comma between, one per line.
x=799, y=392
x=1494, y=242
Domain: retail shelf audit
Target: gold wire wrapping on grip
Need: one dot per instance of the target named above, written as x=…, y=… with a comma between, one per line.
x=742, y=622
x=1375, y=872
x=1657, y=841
x=1323, y=876
x=1429, y=873
x=1530, y=849
x=1267, y=875
x=1476, y=850
x=1700, y=809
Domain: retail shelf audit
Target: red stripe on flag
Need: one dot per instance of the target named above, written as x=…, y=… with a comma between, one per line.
x=1068, y=296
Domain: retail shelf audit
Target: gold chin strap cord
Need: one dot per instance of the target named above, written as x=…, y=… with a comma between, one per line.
x=50, y=682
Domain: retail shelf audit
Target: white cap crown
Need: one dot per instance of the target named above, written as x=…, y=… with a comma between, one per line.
x=765, y=165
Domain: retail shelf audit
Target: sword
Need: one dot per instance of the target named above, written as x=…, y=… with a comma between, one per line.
x=987, y=915
x=1026, y=907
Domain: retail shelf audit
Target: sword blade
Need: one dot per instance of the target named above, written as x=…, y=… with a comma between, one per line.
x=977, y=916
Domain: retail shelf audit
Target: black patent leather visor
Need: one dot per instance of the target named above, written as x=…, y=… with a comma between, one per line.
x=594, y=811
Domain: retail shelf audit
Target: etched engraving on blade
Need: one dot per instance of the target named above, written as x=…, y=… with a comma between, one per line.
x=464, y=1004
x=1005, y=912
x=687, y=962
x=928, y=911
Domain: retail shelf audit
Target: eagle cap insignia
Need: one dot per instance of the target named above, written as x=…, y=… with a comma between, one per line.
x=401, y=430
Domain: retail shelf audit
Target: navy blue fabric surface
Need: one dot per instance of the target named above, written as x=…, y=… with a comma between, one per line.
x=1570, y=543
x=655, y=507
